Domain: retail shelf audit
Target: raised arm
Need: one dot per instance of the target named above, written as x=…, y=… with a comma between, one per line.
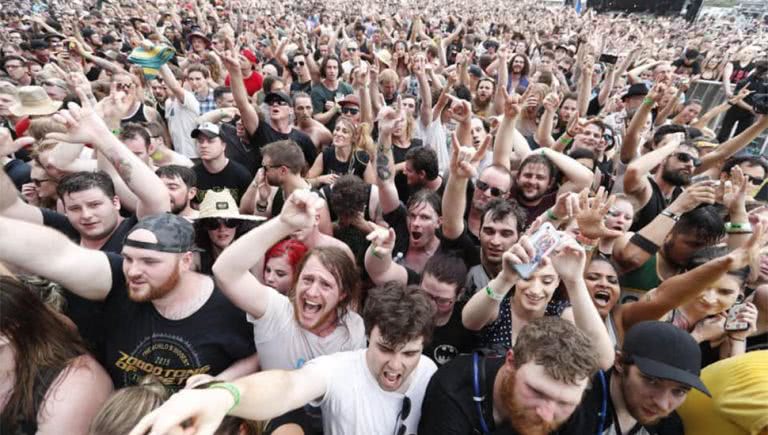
x=262, y=396
x=464, y=161
x=171, y=83
x=632, y=137
x=48, y=253
x=425, y=93
x=505, y=136
x=248, y=113
x=384, y=160
x=577, y=174
x=232, y=268
x=85, y=126
x=483, y=307
x=585, y=86
x=636, y=182
x=569, y=263
x=733, y=145
x=679, y=289
x=378, y=258
x=11, y=205
x=543, y=135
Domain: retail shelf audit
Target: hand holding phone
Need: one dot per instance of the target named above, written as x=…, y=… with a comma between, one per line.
x=545, y=240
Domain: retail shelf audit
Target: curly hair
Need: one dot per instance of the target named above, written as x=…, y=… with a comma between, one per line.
x=349, y=196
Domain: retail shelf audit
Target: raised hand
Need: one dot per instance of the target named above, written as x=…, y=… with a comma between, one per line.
x=389, y=116
x=464, y=160
x=702, y=192
x=461, y=110
x=83, y=124
x=732, y=193
x=512, y=106
x=569, y=260
x=263, y=191
x=551, y=102
x=749, y=253
x=591, y=212
x=382, y=242
x=710, y=329
x=201, y=411
x=521, y=252
x=747, y=314
x=300, y=210
x=10, y=146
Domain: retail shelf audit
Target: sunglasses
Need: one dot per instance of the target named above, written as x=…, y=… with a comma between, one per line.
x=299, y=63
x=216, y=223
x=495, y=191
x=350, y=110
x=405, y=411
x=124, y=86
x=755, y=180
x=277, y=102
x=685, y=158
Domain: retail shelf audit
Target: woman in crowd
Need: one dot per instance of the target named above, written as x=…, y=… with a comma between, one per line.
x=280, y=264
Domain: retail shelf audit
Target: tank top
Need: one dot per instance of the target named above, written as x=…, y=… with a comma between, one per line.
x=740, y=73
x=138, y=117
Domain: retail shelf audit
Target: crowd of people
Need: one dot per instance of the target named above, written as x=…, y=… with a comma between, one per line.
x=434, y=217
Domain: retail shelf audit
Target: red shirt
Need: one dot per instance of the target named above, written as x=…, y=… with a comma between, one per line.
x=252, y=83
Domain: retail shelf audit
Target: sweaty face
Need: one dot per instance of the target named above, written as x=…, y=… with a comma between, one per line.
x=717, y=298
x=496, y=237
x=93, y=214
x=492, y=178
x=603, y=285
x=534, y=181
x=537, y=404
x=302, y=109
x=422, y=221
x=149, y=274
x=533, y=294
x=650, y=399
x=317, y=296
x=392, y=363
x=179, y=193
x=278, y=274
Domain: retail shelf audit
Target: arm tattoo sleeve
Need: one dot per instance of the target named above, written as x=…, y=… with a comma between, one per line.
x=382, y=167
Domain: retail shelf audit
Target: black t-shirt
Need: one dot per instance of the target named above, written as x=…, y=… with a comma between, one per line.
x=239, y=151
x=356, y=165
x=397, y=221
x=533, y=211
x=140, y=341
x=265, y=135
x=451, y=340
x=234, y=177
x=655, y=205
x=466, y=247
x=586, y=418
x=448, y=407
x=681, y=68
x=401, y=181
x=88, y=315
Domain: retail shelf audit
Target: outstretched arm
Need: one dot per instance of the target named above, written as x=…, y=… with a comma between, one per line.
x=248, y=113
x=733, y=145
x=378, y=258
x=48, y=253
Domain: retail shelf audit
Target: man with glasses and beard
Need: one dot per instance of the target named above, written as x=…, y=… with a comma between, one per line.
x=676, y=162
x=155, y=304
x=376, y=390
x=532, y=390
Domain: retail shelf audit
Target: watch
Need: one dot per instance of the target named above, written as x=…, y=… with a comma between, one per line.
x=669, y=214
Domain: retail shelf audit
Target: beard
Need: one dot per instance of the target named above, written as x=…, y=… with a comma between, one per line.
x=675, y=178
x=160, y=291
x=524, y=421
x=632, y=406
x=177, y=208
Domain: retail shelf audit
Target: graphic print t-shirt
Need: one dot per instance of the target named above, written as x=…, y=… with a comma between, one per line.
x=140, y=341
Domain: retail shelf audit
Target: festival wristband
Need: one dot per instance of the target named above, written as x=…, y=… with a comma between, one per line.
x=493, y=295
x=566, y=140
x=551, y=215
x=648, y=101
x=733, y=228
x=233, y=390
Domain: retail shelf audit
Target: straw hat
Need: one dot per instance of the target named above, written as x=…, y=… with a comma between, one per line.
x=384, y=57
x=33, y=100
x=222, y=205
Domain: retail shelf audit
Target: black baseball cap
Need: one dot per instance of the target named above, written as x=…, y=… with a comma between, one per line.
x=636, y=90
x=664, y=351
x=174, y=234
x=278, y=96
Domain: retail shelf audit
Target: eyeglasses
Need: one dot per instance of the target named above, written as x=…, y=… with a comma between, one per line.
x=216, y=223
x=443, y=302
x=405, y=411
x=685, y=158
x=350, y=110
x=495, y=191
x=124, y=86
x=38, y=182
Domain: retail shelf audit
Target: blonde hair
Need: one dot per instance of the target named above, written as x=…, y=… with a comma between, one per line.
x=127, y=406
x=39, y=127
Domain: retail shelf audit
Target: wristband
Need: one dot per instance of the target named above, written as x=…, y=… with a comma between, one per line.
x=566, y=140
x=117, y=131
x=493, y=295
x=648, y=101
x=669, y=214
x=233, y=390
x=551, y=215
x=644, y=244
x=732, y=228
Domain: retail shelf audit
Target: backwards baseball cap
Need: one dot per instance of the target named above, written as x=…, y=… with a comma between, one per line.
x=278, y=96
x=173, y=233
x=207, y=128
x=662, y=350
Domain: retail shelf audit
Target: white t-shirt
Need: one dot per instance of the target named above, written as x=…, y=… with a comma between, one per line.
x=354, y=403
x=283, y=344
x=182, y=119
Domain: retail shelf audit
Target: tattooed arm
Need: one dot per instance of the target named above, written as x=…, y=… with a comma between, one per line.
x=385, y=161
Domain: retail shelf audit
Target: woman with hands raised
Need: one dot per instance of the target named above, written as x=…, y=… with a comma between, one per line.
x=501, y=316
